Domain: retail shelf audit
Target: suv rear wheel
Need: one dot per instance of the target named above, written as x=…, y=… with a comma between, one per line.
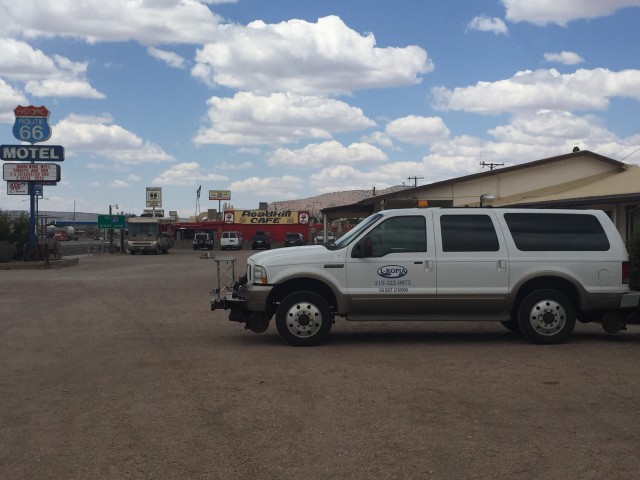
x=546, y=317
x=304, y=319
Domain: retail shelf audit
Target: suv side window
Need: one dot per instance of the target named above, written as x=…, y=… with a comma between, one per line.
x=399, y=235
x=560, y=232
x=468, y=233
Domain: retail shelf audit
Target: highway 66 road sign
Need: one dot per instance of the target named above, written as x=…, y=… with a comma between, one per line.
x=32, y=124
x=154, y=197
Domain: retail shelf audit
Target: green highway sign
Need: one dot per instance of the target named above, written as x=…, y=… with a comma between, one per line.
x=111, y=221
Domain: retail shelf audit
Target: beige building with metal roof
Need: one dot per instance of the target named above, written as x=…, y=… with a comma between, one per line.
x=581, y=179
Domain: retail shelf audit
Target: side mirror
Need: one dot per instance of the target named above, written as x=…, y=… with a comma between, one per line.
x=363, y=249
x=367, y=247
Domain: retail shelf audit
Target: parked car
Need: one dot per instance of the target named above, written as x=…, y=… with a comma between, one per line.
x=202, y=240
x=231, y=240
x=293, y=240
x=261, y=239
x=534, y=270
x=319, y=240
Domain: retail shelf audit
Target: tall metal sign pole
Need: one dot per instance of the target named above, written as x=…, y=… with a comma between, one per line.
x=32, y=126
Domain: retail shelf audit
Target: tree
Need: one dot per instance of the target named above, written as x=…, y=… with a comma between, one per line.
x=14, y=234
x=5, y=227
x=20, y=233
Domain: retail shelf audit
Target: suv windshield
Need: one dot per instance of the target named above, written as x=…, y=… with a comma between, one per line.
x=149, y=229
x=348, y=237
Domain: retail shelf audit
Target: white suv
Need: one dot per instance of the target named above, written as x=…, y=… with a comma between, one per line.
x=231, y=240
x=536, y=271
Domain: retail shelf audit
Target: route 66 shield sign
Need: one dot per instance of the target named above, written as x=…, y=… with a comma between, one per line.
x=32, y=124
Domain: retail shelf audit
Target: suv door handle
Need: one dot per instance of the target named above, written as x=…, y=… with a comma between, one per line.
x=502, y=264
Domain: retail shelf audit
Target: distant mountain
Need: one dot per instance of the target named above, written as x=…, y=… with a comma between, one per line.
x=52, y=216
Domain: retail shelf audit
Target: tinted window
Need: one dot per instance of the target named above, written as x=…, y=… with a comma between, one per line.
x=399, y=235
x=556, y=232
x=468, y=233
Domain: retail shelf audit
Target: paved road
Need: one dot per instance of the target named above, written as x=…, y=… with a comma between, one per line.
x=117, y=369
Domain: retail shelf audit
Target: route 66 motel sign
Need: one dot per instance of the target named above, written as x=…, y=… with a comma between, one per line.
x=32, y=124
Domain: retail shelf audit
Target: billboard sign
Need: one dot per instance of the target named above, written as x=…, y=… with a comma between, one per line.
x=31, y=172
x=32, y=153
x=219, y=194
x=271, y=217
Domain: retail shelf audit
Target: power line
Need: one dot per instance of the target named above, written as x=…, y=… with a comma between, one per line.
x=630, y=154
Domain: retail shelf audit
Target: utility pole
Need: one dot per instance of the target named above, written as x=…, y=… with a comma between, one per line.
x=415, y=180
x=491, y=165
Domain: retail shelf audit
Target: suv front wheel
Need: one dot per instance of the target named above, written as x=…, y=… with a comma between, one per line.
x=304, y=319
x=546, y=317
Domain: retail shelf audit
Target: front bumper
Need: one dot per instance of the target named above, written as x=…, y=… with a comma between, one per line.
x=143, y=248
x=252, y=298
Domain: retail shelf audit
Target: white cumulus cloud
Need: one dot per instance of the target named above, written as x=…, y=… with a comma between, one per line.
x=9, y=99
x=284, y=187
x=99, y=137
x=542, y=89
x=187, y=174
x=325, y=57
x=564, y=57
x=172, y=59
x=483, y=23
x=417, y=130
x=326, y=153
x=542, y=12
x=147, y=22
x=247, y=118
x=42, y=75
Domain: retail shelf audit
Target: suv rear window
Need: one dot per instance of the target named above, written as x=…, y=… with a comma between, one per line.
x=561, y=232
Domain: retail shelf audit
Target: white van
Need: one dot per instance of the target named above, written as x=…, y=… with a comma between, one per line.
x=231, y=240
x=534, y=270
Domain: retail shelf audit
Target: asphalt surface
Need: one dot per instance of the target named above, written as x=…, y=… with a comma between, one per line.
x=117, y=369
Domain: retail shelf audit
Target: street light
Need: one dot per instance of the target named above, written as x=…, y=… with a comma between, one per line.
x=111, y=229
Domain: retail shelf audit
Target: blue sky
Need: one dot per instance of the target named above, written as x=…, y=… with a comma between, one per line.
x=288, y=99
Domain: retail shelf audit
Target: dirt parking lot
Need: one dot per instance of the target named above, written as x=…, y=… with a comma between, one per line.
x=117, y=369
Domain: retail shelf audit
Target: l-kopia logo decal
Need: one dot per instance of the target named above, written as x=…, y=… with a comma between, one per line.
x=392, y=271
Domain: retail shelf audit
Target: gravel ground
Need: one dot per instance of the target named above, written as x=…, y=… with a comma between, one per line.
x=117, y=369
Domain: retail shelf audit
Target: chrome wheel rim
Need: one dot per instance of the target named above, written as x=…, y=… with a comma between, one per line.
x=303, y=319
x=547, y=317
